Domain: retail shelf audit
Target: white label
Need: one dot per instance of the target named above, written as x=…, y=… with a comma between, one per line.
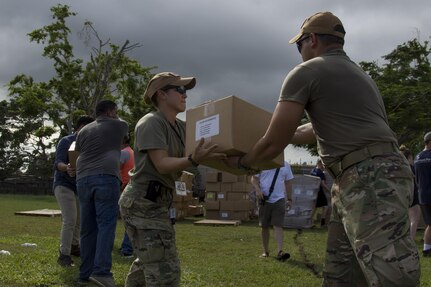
x=224, y=214
x=208, y=127
x=180, y=188
x=310, y=192
x=220, y=196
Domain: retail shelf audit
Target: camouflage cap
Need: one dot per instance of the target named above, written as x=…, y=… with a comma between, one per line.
x=427, y=137
x=321, y=23
x=164, y=79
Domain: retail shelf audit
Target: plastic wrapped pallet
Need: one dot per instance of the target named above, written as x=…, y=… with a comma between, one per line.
x=304, y=195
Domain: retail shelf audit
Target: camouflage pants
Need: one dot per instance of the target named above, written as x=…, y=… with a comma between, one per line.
x=369, y=243
x=157, y=262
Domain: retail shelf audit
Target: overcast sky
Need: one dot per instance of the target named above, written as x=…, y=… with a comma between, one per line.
x=232, y=47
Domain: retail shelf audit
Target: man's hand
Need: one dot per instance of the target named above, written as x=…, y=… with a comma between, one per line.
x=71, y=171
x=232, y=161
x=259, y=194
x=288, y=204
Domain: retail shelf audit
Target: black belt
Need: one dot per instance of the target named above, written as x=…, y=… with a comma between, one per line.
x=356, y=156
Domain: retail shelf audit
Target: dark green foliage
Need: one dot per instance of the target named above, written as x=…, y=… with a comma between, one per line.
x=36, y=115
x=405, y=84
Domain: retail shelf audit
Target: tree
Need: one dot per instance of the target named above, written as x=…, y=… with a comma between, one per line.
x=38, y=114
x=405, y=85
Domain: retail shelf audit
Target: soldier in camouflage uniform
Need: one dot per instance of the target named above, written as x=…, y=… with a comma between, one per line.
x=368, y=235
x=159, y=161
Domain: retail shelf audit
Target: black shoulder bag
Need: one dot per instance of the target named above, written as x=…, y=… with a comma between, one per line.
x=271, y=189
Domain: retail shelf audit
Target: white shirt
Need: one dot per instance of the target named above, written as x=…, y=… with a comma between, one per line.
x=265, y=179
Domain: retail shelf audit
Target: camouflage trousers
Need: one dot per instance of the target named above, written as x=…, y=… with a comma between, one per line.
x=153, y=241
x=369, y=243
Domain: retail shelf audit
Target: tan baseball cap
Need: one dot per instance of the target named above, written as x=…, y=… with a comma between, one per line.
x=164, y=79
x=321, y=23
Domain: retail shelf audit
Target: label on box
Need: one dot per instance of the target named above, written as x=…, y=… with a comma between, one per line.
x=180, y=188
x=207, y=127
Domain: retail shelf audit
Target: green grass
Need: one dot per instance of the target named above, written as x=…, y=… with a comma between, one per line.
x=210, y=256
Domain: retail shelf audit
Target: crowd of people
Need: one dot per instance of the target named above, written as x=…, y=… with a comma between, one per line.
x=370, y=237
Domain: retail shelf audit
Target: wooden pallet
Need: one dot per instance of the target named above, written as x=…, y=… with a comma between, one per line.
x=40, y=212
x=214, y=222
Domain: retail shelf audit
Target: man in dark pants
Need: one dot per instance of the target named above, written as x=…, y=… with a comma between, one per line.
x=422, y=166
x=369, y=242
x=98, y=184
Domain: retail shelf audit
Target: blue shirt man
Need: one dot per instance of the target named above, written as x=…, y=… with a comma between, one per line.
x=422, y=167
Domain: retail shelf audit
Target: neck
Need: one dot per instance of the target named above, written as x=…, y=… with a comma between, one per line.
x=169, y=114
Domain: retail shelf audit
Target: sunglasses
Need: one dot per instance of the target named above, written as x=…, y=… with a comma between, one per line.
x=180, y=89
x=299, y=43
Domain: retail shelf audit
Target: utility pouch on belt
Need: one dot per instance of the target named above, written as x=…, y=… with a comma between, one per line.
x=153, y=190
x=262, y=201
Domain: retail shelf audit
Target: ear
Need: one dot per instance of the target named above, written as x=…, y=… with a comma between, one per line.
x=314, y=40
x=160, y=95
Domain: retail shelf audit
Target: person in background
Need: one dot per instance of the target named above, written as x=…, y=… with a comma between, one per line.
x=98, y=183
x=321, y=200
x=422, y=165
x=273, y=191
x=127, y=161
x=369, y=242
x=64, y=186
x=414, y=210
x=146, y=202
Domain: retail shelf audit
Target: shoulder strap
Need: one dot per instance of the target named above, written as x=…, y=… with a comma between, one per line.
x=271, y=189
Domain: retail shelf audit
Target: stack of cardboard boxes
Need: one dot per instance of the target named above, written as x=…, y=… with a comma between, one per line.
x=227, y=196
x=187, y=205
x=184, y=202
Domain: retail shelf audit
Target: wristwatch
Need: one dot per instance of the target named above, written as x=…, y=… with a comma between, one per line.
x=195, y=164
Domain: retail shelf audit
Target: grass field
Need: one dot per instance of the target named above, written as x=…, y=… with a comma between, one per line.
x=210, y=256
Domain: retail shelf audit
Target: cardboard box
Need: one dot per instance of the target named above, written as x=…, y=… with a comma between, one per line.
x=234, y=125
x=234, y=215
x=212, y=205
x=221, y=195
x=225, y=187
x=212, y=214
x=212, y=186
x=212, y=176
x=211, y=195
x=195, y=210
x=238, y=196
x=73, y=155
x=228, y=177
x=235, y=205
x=241, y=187
x=187, y=177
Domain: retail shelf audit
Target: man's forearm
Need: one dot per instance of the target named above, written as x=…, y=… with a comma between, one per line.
x=262, y=151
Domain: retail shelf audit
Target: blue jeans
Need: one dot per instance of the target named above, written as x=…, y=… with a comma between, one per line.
x=126, y=245
x=98, y=198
